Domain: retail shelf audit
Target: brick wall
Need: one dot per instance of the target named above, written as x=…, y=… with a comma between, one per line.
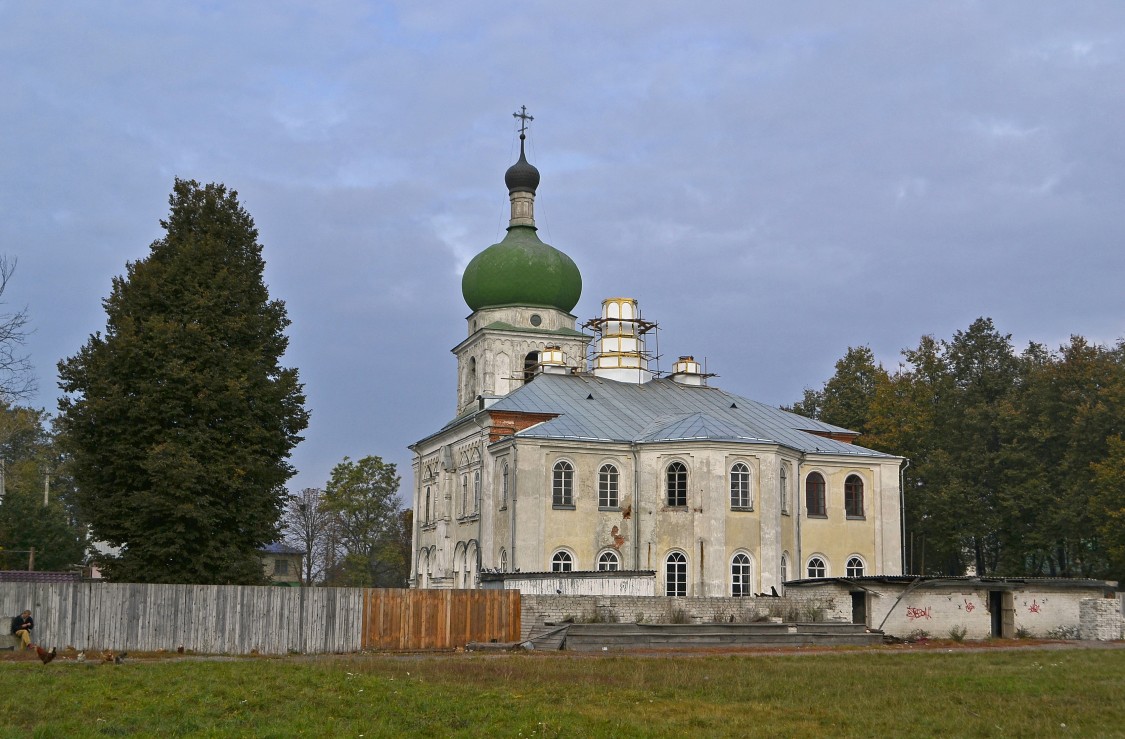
x=1101, y=619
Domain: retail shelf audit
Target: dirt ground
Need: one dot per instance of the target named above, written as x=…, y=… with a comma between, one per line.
x=73, y=656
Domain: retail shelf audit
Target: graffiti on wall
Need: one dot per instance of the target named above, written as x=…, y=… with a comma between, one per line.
x=1034, y=607
x=969, y=606
x=914, y=613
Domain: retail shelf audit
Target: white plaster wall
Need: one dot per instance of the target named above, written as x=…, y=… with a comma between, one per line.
x=938, y=611
x=607, y=585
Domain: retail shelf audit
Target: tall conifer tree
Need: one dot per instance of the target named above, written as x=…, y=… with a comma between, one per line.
x=180, y=419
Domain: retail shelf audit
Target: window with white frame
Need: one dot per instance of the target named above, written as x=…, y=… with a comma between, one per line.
x=676, y=487
x=740, y=486
x=784, y=566
x=741, y=576
x=464, y=495
x=609, y=562
x=503, y=560
x=818, y=567
x=853, y=496
x=562, y=485
x=675, y=575
x=855, y=567
x=607, y=487
x=562, y=562
x=476, y=492
x=814, y=495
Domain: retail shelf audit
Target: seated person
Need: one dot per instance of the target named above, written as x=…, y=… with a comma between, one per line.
x=22, y=626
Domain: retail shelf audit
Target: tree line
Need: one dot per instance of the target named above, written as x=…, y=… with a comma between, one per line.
x=1016, y=459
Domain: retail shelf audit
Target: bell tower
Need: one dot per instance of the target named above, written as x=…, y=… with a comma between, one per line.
x=521, y=292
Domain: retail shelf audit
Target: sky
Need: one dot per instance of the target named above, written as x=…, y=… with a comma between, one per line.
x=773, y=182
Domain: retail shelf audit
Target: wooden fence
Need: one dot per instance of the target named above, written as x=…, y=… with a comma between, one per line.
x=439, y=619
x=230, y=619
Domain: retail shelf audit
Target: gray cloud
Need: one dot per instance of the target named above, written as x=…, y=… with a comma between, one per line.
x=773, y=183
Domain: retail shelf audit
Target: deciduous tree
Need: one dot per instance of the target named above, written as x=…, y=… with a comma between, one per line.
x=36, y=504
x=307, y=524
x=16, y=379
x=363, y=497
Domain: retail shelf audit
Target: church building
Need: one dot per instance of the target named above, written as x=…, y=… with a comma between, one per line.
x=569, y=453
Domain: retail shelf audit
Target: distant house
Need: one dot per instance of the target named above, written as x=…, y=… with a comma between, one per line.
x=282, y=564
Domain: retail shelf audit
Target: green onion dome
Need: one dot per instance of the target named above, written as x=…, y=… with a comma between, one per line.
x=522, y=270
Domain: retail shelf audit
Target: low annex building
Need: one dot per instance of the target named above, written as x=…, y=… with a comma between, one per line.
x=969, y=607
x=569, y=453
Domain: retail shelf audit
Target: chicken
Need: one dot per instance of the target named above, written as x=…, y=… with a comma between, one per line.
x=44, y=654
x=120, y=659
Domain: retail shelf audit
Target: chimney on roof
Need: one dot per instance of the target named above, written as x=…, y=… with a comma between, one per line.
x=687, y=371
x=552, y=361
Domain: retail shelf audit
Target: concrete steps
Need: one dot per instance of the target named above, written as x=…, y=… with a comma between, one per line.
x=612, y=637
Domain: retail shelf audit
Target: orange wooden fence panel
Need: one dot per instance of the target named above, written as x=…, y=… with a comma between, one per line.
x=438, y=619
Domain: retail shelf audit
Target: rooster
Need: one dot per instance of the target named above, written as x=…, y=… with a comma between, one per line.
x=44, y=654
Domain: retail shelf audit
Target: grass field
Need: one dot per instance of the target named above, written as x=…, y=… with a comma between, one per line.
x=958, y=692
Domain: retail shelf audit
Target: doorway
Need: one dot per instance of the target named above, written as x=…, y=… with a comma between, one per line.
x=1002, y=609
x=859, y=607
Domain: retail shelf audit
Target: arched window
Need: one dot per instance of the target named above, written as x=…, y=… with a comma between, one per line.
x=504, y=487
x=476, y=492
x=677, y=484
x=562, y=485
x=855, y=567
x=471, y=380
x=784, y=488
x=609, y=562
x=784, y=566
x=675, y=575
x=853, y=496
x=530, y=364
x=817, y=567
x=814, y=495
x=740, y=486
x=607, y=487
x=741, y=577
x=427, y=509
x=472, y=562
x=464, y=495
x=562, y=562
x=423, y=567
x=503, y=560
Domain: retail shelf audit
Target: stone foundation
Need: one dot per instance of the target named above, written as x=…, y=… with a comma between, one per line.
x=539, y=609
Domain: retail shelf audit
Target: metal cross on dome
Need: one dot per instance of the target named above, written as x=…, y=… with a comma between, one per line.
x=524, y=118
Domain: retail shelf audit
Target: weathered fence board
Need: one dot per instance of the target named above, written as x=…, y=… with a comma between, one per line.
x=214, y=619
x=229, y=619
x=439, y=619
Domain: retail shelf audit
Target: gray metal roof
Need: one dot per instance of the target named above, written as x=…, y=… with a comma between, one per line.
x=594, y=408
